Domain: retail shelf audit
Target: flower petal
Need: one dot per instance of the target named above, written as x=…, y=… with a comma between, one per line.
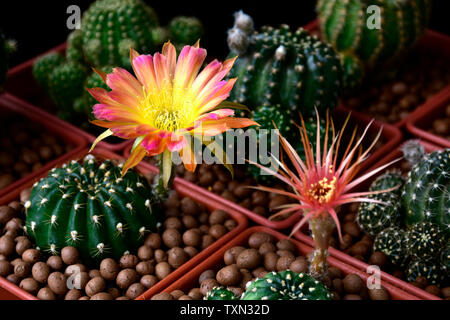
x=145, y=71
x=122, y=81
x=188, y=65
x=170, y=53
x=135, y=157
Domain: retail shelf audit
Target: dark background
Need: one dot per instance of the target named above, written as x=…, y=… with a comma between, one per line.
x=41, y=25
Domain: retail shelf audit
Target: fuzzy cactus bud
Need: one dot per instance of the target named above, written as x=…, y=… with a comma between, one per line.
x=243, y=22
x=413, y=151
x=238, y=41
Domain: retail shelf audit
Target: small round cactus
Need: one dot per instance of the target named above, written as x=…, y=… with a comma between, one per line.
x=90, y=206
x=388, y=180
x=44, y=66
x=426, y=240
x=392, y=242
x=185, y=30
x=74, y=50
x=429, y=269
x=220, y=293
x=286, y=285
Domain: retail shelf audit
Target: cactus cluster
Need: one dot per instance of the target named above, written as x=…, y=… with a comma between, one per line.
x=282, y=67
x=412, y=226
x=284, y=285
x=90, y=206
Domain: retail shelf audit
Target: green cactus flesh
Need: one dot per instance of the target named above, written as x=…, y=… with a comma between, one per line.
x=429, y=269
x=286, y=285
x=344, y=24
x=220, y=293
x=92, y=207
x=44, y=66
x=426, y=194
x=111, y=27
x=74, y=50
x=288, y=68
x=185, y=30
x=426, y=240
x=392, y=242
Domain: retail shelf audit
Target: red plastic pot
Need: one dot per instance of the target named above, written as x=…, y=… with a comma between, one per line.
x=436, y=43
x=423, y=119
x=190, y=280
x=9, y=290
x=20, y=83
x=397, y=153
x=391, y=137
x=8, y=104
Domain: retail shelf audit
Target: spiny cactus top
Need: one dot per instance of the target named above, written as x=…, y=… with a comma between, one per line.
x=92, y=207
x=286, y=285
x=392, y=242
x=426, y=240
x=426, y=195
x=278, y=66
x=220, y=293
x=351, y=26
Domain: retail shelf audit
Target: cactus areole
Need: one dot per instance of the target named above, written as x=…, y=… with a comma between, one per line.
x=90, y=206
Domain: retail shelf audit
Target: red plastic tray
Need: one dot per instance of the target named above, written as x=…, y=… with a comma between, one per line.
x=390, y=135
x=190, y=280
x=10, y=290
x=397, y=153
x=435, y=43
x=58, y=128
x=423, y=119
x=20, y=83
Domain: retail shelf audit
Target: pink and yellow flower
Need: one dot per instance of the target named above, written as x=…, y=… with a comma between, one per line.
x=168, y=100
x=321, y=183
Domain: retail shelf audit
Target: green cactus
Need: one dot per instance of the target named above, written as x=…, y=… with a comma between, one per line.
x=392, y=242
x=74, y=50
x=44, y=66
x=352, y=72
x=185, y=30
x=426, y=194
x=220, y=293
x=345, y=24
x=92, y=207
x=111, y=27
x=445, y=261
x=278, y=66
x=375, y=217
x=426, y=240
x=286, y=285
x=429, y=269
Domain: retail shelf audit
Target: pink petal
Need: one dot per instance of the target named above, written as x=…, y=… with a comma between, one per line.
x=145, y=71
x=189, y=63
x=161, y=71
x=170, y=53
x=122, y=81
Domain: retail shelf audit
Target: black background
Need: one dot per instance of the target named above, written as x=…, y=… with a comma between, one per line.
x=41, y=25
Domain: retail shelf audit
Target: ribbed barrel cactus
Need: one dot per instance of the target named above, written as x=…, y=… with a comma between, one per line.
x=90, y=206
x=427, y=268
x=282, y=67
x=426, y=240
x=393, y=243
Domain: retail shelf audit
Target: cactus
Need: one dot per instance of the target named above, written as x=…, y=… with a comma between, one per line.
x=185, y=30
x=445, y=261
x=345, y=24
x=92, y=81
x=92, y=207
x=426, y=240
x=74, y=50
x=220, y=293
x=44, y=66
x=429, y=269
x=6, y=48
x=111, y=27
x=375, y=217
x=426, y=194
x=278, y=66
x=286, y=285
x=392, y=242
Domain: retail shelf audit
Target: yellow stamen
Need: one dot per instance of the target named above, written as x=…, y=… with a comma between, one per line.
x=323, y=190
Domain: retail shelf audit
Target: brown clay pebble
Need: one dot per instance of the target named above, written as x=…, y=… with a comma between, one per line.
x=172, y=238
x=128, y=261
x=149, y=281
x=195, y=294
x=230, y=224
x=352, y=297
x=40, y=272
x=160, y=255
x=102, y=296
x=114, y=292
x=230, y=255
x=270, y=261
x=55, y=262
x=379, y=294
x=338, y=285
x=192, y=237
x=22, y=269
x=109, y=269
x=94, y=286
x=434, y=290
x=189, y=207
x=335, y=273
x=286, y=244
x=13, y=279
x=30, y=285
x=191, y=251
x=46, y=294
x=229, y=275
x=266, y=247
x=73, y=294
x=353, y=283
x=217, y=217
x=185, y=297
x=57, y=282
x=84, y=298
x=6, y=245
x=6, y=214
x=352, y=229
x=359, y=249
x=189, y=222
x=162, y=296
x=422, y=280
x=126, y=278
x=145, y=267
x=207, y=240
x=135, y=290
x=258, y=238
x=153, y=241
x=5, y=268
x=177, y=257
x=217, y=231
x=162, y=270
x=31, y=256
x=248, y=259
x=145, y=253
x=207, y=274
x=446, y=292
x=74, y=269
x=207, y=285
x=69, y=255
x=284, y=262
x=299, y=265
x=173, y=223
x=94, y=273
x=177, y=294
x=22, y=245
x=378, y=258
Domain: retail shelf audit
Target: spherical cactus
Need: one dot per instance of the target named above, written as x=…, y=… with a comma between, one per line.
x=352, y=72
x=66, y=84
x=286, y=285
x=44, y=66
x=220, y=293
x=92, y=207
x=74, y=50
x=426, y=194
x=388, y=180
x=426, y=240
x=392, y=242
x=111, y=27
x=429, y=269
x=352, y=26
x=445, y=261
x=278, y=66
x=185, y=30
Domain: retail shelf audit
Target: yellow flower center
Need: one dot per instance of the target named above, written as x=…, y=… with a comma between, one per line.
x=323, y=190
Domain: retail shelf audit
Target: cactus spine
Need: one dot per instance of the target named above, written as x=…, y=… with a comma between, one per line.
x=92, y=207
x=220, y=293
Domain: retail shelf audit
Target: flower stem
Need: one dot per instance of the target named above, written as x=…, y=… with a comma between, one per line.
x=322, y=229
x=159, y=189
